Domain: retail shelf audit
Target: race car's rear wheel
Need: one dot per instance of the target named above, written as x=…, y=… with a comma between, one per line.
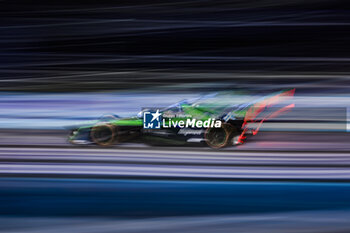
x=103, y=135
x=220, y=137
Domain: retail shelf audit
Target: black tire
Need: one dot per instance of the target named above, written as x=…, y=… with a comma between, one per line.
x=103, y=135
x=220, y=137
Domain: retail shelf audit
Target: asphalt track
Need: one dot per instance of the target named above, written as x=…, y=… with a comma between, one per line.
x=264, y=141
x=164, y=164
x=267, y=156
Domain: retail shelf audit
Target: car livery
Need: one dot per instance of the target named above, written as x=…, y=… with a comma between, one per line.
x=217, y=120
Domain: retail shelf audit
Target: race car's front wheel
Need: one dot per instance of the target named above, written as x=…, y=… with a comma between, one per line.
x=103, y=135
x=220, y=137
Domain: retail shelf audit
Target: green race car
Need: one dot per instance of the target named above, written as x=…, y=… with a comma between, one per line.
x=217, y=120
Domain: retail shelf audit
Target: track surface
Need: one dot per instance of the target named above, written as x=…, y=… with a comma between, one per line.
x=263, y=141
x=268, y=156
x=140, y=163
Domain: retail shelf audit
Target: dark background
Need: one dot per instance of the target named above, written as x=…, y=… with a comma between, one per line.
x=98, y=45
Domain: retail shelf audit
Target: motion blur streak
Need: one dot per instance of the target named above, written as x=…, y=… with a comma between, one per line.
x=181, y=164
x=252, y=206
x=311, y=221
x=63, y=62
x=65, y=46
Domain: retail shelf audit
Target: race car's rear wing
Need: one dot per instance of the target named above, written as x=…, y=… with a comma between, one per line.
x=255, y=112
